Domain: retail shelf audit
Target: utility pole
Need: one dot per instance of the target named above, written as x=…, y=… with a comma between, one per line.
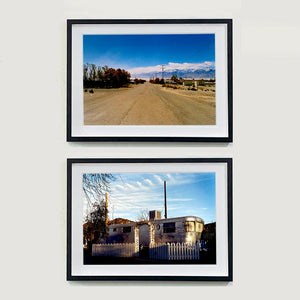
x=162, y=71
x=165, y=190
x=106, y=220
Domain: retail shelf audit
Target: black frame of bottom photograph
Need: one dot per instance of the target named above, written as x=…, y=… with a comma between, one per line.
x=85, y=265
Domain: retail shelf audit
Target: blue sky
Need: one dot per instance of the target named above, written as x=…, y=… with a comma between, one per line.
x=187, y=194
x=133, y=51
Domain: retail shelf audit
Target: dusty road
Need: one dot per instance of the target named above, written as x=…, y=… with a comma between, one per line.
x=148, y=104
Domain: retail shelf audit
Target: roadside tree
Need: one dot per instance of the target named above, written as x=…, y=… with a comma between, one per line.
x=95, y=186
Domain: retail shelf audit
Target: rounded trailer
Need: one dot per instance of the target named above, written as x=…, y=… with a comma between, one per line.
x=172, y=230
x=178, y=230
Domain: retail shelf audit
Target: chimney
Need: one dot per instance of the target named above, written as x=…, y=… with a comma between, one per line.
x=154, y=215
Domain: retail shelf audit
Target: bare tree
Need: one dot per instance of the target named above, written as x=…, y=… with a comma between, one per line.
x=99, y=73
x=93, y=72
x=85, y=71
x=143, y=215
x=95, y=186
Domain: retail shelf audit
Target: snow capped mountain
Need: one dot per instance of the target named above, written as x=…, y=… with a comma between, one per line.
x=184, y=70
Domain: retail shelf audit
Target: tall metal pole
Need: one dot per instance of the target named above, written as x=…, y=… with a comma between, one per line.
x=165, y=189
x=106, y=220
x=162, y=71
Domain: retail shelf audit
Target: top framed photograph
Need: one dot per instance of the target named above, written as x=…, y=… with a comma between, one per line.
x=149, y=80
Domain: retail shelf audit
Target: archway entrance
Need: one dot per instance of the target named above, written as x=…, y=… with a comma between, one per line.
x=143, y=237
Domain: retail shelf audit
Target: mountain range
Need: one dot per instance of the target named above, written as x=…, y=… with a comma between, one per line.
x=185, y=70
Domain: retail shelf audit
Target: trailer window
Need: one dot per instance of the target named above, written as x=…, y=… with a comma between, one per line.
x=127, y=229
x=115, y=229
x=199, y=227
x=189, y=226
x=169, y=227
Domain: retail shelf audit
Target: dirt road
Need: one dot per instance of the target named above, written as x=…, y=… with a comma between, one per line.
x=148, y=104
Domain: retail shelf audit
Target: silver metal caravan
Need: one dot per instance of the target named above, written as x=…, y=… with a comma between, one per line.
x=172, y=230
x=121, y=233
x=178, y=230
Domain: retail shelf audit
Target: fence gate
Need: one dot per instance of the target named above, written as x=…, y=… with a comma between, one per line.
x=172, y=251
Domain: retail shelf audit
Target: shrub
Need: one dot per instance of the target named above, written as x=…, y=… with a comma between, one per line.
x=201, y=82
x=91, y=91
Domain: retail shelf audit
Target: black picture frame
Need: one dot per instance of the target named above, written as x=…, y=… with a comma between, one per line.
x=215, y=138
x=121, y=161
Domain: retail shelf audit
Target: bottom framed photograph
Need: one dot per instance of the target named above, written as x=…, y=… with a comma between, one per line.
x=149, y=219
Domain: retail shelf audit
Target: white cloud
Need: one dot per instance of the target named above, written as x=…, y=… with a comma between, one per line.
x=158, y=179
x=130, y=186
x=139, y=184
x=180, y=199
x=148, y=181
x=131, y=193
x=119, y=187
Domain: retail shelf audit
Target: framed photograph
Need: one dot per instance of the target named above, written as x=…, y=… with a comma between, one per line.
x=149, y=219
x=149, y=80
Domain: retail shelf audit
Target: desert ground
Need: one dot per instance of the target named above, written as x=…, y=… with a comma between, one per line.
x=150, y=104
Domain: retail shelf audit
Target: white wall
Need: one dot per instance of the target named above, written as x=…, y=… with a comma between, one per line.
x=265, y=149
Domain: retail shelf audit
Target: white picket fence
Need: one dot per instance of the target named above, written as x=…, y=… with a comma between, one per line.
x=172, y=251
x=115, y=250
